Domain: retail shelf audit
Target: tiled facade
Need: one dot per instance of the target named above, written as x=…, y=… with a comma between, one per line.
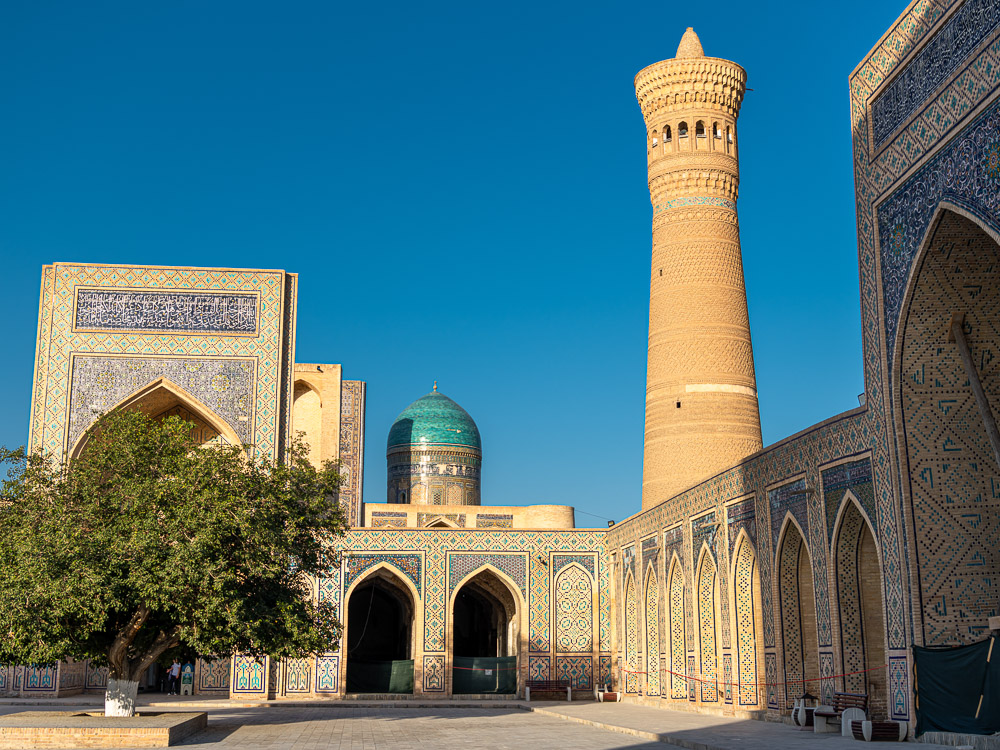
x=904, y=490
x=811, y=565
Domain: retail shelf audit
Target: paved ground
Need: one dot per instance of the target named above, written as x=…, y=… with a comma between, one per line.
x=584, y=725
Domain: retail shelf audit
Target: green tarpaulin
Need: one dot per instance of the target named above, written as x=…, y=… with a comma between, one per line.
x=379, y=676
x=483, y=674
x=948, y=686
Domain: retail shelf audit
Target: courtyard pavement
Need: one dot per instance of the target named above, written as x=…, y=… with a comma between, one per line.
x=546, y=726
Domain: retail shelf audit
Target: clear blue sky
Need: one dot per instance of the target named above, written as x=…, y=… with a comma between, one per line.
x=462, y=189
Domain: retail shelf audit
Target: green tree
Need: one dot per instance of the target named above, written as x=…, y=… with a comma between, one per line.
x=147, y=542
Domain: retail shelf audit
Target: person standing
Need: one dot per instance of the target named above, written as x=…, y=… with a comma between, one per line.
x=174, y=674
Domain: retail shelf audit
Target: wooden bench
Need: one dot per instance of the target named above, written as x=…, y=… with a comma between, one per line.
x=847, y=707
x=548, y=686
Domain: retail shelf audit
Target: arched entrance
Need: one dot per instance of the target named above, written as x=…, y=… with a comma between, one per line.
x=946, y=426
x=379, y=635
x=859, y=600
x=798, y=615
x=162, y=398
x=484, y=636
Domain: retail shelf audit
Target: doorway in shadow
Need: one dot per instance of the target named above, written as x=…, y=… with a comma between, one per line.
x=380, y=636
x=484, y=637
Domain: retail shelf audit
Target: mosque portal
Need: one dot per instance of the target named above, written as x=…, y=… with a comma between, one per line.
x=484, y=637
x=380, y=636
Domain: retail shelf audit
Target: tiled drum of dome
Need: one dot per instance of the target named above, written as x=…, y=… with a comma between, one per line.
x=574, y=611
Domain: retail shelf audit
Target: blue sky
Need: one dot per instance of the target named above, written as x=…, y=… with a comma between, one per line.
x=462, y=189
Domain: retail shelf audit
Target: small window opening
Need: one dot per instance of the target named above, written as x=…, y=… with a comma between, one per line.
x=666, y=134
x=682, y=130
x=717, y=131
x=699, y=129
x=678, y=404
x=661, y=272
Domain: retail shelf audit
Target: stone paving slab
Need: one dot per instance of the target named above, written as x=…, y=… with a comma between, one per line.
x=694, y=730
x=346, y=727
x=540, y=725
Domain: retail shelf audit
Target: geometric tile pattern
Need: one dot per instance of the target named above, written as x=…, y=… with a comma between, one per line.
x=248, y=674
x=59, y=340
x=538, y=667
x=328, y=673
x=849, y=585
x=631, y=637
x=352, y=448
x=938, y=59
x=707, y=603
x=855, y=476
x=213, y=675
x=574, y=611
x=678, y=647
x=356, y=564
x=98, y=384
x=39, y=678
x=652, y=645
x=798, y=639
x=745, y=583
x=576, y=669
x=587, y=562
x=434, y=673
x=297, y=675
x=953, y=479
x=526, y=557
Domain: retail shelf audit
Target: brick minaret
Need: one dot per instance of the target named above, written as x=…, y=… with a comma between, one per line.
x=701, y=394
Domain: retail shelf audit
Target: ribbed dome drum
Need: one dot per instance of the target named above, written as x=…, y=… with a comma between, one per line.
x=434, y=454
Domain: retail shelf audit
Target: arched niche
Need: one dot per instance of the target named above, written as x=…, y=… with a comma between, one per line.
x=485, y=634
x=574, y=610
x=631, y=636
x=948, y=462
x=749, y=638
x=707, y=591
x=860, y=604
x=307, y=418
x=651, y=597
x=676, y=628
x=797, y=604
x=162, y=398
x=380, y=633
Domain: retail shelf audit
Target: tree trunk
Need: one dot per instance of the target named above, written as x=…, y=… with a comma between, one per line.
x=119, y=700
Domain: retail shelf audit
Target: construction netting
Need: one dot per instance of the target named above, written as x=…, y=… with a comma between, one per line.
x=484, y=674
x=958, y=689
x=379, y=676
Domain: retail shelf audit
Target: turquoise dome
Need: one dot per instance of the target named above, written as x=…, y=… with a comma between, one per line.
x=434, y=418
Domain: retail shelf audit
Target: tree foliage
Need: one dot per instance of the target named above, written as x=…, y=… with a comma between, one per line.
x=147, y=542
